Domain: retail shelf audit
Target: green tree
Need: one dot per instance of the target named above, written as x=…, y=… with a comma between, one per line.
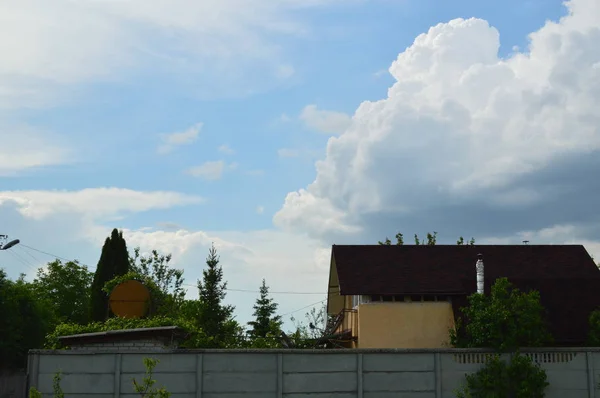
x=594, y=332
x=505, y=320
x=214, y=317
x=24, y=322
x=265, y=322
x=431, y=240
x=67, y=287
x=114, y=261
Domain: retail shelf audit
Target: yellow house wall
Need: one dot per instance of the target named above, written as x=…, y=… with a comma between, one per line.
x=404, y=325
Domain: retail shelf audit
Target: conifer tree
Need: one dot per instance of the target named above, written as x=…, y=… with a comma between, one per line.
x=265, y=320
x=215, y=318
x=114, y=261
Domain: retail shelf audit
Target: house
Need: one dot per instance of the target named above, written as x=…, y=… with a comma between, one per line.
x=409, y=296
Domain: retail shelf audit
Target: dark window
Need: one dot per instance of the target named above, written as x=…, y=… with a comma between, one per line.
x=387, y=298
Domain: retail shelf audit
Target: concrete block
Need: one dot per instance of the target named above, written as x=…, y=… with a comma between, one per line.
x=324, y=395
x=81, y=383
x=398, y=381
x=560, y=393
x=222, y=382
x=134, y=363
x=173, y=382
x=239, y=395
x=329, y=382
x=567, y=379
x=297, y=363
x=98, y=363
x=398, y=362
x=240, y=362
x=412, y=394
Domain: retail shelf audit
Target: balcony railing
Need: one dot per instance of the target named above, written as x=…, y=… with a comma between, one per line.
x=344, y=322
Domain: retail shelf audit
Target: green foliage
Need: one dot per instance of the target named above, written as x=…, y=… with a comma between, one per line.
x=24, y=322
x=114, y=261
x=431, y=240
x=195, y=337
x=57, y=389
x=215, y=317
x=168, y=281
x=146, y=388
x=520, y=378
x=504, y=320
x=265, y=321
x=594, y=333
x=66, y=286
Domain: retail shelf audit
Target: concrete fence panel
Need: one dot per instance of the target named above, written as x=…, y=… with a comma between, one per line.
x=298, y=373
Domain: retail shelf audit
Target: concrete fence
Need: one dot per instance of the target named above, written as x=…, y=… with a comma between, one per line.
x=12, y=383
x=572, y=373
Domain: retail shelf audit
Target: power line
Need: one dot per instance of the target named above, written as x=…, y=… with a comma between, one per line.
x=300, y=309
x=29, y=254
x=21, y=259
x=46, y=253
x=188, y=284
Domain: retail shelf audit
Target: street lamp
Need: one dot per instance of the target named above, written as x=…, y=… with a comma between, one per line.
x=8, y=245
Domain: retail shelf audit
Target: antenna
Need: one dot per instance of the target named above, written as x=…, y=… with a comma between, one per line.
x=525, y=242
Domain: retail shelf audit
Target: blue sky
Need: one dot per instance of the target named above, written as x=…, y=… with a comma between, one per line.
x=250, y=98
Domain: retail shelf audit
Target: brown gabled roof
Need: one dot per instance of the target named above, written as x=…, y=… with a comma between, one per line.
x=565, y=275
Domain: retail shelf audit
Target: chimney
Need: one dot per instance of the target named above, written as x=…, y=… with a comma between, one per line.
x=479, y=270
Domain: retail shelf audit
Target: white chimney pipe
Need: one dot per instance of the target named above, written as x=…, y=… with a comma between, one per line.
x=479, y=270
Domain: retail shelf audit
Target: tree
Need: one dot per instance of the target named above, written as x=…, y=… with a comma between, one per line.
x=67, y=288
x=215, y=317
x=431, y=240
x=594, y=332
x=169, y=281
x=265, y=321
x=505, y=320
x=25, y=320
x=114, y=261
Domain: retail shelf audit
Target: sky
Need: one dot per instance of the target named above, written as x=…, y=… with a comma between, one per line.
x=274, y=129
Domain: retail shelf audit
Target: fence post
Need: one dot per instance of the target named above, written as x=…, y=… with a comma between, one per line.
x=117, y=381
x=438, y=374
x=359, y=375
x=199, y=374
x=590, y=374
x=279, y=375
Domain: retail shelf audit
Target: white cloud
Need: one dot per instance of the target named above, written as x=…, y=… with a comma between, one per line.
x=461, y=126
x=172, y=140
x=288, y=153
x=260, y=209
x=328, y=122
x=24, y=148
x=67, y=42
x=60, y=224
x=93, y=203
x=226, y=149
x=212, y=170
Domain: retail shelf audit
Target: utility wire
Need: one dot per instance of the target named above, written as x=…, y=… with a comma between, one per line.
x=46, y=253
x=37, y=261
x=188, y=284
x=20, y=259
x=300, y=309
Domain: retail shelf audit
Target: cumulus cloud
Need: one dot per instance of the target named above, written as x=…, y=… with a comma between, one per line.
x=66, y=43
x=172, y=140
x=466, y=141
x=226, y=149
x=287, y=261
x=329, y=122
x=212, y=170
x=24, y=148
x=93, y=203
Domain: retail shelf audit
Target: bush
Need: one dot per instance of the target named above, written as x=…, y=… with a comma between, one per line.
x=195, y=337
x=520, y=378
x=594, y=333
